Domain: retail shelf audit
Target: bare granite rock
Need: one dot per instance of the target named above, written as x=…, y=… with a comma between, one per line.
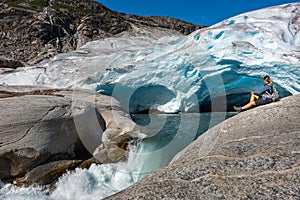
x=31, y=31
x=40, y=125
x=46, y=173
x=253, y=155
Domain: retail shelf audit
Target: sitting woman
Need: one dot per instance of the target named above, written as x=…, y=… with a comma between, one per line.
x=259, y=98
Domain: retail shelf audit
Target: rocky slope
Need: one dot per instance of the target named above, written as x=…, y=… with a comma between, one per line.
x=44, y=132
x=253, y=155
x=31, y=30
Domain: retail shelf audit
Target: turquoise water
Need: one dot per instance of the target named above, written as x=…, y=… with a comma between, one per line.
x=170, y=134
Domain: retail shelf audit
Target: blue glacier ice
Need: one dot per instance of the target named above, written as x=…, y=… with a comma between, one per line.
x=182, y=73
x=169, y=73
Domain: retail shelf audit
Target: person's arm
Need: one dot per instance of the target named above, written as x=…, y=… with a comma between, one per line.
x=263, y=90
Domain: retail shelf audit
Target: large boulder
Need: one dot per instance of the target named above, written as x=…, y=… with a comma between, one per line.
x=41, y=125
x=253, y=155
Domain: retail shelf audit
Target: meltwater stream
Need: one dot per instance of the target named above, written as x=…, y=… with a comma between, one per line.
x=228, y=58
x=171, y=133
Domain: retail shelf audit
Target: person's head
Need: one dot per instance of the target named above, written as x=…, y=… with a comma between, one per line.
x=267, y=79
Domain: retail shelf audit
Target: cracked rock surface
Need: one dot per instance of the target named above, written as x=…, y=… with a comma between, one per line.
x=48, y=131
x=253, y=155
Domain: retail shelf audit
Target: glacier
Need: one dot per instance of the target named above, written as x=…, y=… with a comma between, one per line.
x=212, y=67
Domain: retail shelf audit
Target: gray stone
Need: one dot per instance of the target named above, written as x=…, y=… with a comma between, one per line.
x=253, y=155
x=31, y=31
x=41, y=125
x=46, y=173
x=9, y=63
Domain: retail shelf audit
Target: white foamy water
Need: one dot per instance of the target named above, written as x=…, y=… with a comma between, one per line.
x=98, y=181
x=229, y=56
x=172, y=133
x=11, y=192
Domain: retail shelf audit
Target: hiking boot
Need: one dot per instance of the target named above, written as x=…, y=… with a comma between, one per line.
x=238, y=109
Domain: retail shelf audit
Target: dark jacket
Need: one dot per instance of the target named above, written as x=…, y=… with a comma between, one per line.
x=267, y=89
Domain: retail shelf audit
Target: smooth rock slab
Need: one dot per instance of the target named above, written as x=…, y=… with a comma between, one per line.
x=47, y=173
x=253, y=155
x=39, y=126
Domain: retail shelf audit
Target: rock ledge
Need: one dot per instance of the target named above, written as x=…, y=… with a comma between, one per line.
x=44, y=132
x=253, y=155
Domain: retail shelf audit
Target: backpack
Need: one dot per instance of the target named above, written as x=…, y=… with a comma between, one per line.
x=274, y=96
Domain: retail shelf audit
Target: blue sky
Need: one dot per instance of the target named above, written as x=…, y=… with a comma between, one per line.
x=206, y=12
